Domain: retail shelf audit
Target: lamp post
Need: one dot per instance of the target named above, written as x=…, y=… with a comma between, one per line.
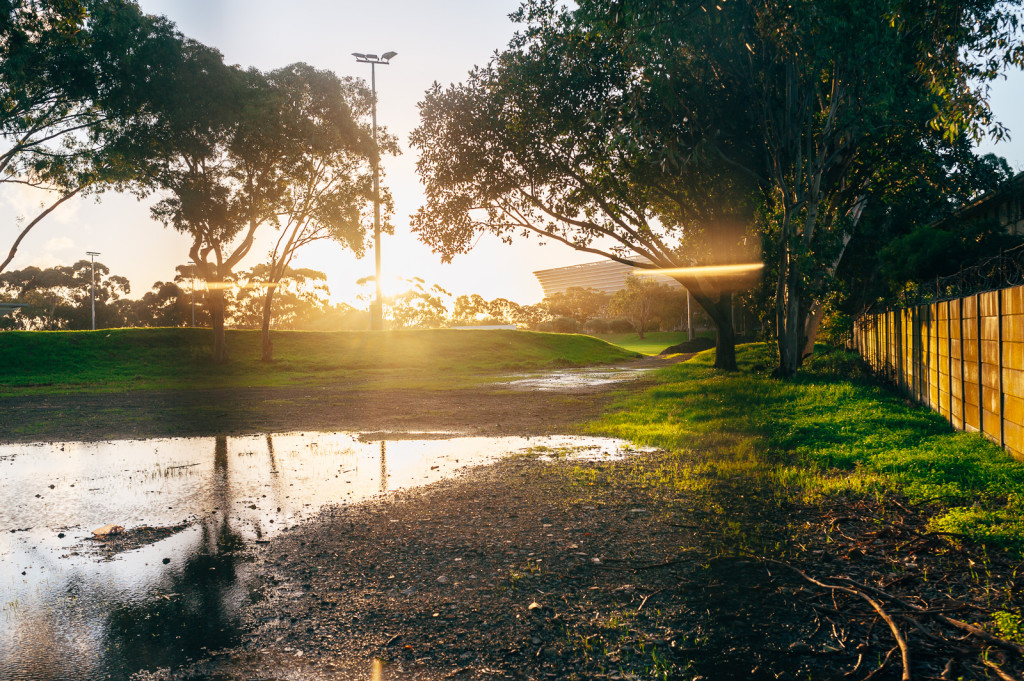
x=92, y=287
x=193, y=288
x=377, y=308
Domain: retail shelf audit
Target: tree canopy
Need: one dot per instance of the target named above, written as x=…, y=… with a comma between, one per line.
x=71, y=73
x=263, y=148
x=662, y=134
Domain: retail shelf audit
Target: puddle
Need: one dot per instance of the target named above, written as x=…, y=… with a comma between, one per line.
x=157, y=597
x=574, y=379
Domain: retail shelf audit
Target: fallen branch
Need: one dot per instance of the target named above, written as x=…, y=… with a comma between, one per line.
x=963, y=626
x=897, y=634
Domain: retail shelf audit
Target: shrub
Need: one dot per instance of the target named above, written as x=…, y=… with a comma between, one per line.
x=619, y=326
x=565, y=325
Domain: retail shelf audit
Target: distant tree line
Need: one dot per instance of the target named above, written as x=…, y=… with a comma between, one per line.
x=60, y=298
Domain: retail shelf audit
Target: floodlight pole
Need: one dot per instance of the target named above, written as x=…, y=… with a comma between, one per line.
x=377, y=308
x=92, y=287
x=193, y=287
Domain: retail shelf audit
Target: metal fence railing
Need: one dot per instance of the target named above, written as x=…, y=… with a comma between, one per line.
x=961, y=354
x=1000, y=271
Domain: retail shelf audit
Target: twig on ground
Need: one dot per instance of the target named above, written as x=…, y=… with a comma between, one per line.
x=880, y=667
x=644, y=601
x=999, y=672
x=901, y=641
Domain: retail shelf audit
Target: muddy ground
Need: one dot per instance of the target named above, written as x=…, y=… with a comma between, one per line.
x=566, y=570
x=491, y=409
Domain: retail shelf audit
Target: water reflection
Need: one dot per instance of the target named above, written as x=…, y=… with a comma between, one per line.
x=68, y=611
x=575, y=379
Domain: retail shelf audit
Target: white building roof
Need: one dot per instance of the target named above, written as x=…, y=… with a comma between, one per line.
x=606, y=276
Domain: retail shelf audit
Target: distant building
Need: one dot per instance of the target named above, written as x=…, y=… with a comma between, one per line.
x=1005, y=205
x=8, y=307
x=607, y=276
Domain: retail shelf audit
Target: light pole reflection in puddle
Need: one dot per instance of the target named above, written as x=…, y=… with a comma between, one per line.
x=383, y=467
x=270, y=452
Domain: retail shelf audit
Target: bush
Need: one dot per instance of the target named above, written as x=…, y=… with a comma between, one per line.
x=832, y=362
x=619, y=326
x=596, y=325
x=565, y=325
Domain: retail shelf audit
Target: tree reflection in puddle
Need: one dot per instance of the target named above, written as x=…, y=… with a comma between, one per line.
x=72, y=612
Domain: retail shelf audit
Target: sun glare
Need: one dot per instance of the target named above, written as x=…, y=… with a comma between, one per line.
x=705, y=271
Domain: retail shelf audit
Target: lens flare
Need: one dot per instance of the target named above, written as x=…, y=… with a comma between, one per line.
x=704, y=271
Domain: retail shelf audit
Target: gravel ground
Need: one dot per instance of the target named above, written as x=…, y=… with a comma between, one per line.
x=534, y=570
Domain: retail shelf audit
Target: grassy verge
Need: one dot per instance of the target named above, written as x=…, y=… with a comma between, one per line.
x=828, y=433
x=171, y=359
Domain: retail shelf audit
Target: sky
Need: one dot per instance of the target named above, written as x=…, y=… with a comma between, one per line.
x=440, y=40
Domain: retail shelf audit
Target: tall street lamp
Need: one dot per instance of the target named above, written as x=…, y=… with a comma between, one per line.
x=193, y=288
x=377, y=309
x=92, y=288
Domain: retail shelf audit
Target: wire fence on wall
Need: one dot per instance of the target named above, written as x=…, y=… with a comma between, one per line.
x=1000, y=271
x=962, y=355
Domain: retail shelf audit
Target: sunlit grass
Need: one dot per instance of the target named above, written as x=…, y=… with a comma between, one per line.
x=174, y=359
x=824, y=434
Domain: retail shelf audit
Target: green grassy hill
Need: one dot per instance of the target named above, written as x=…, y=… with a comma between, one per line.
x=157, y=359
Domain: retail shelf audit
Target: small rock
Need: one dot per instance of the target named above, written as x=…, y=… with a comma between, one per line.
x=60, y=535
x=535, y=606
x=166, y=561
x=443, y=580
x=107, y=530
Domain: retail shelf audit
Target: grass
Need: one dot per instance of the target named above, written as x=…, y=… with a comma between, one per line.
x=174, y=359
x=823, y=434
x=652, y=343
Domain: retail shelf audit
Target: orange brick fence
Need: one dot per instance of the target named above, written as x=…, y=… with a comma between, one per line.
x=967, y=366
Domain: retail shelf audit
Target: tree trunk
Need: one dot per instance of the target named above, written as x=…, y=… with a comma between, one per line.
x=220, y=346
x=787, y=310
x=811, y=326
x=268, y=345
x=725, y=335
x=720, y=311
